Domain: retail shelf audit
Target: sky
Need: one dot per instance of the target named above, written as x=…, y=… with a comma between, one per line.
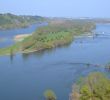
x=57, y=8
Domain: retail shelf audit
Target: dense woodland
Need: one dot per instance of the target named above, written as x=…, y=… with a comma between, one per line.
x=10, y=21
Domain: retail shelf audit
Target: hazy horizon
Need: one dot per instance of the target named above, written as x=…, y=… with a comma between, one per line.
x=56, y=8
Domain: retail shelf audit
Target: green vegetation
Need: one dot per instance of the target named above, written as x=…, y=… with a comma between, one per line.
x=9, y=21
x=50, y=95
x=10, y=50
x=57, y=33
x=96, y=86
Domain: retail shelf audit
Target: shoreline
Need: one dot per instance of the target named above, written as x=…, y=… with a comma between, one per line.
x=57, y=44
x=21, y=37
x=41, y=49
x=38, y=50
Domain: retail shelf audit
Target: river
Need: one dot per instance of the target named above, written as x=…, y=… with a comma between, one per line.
x=27, y=76
x=7, y=36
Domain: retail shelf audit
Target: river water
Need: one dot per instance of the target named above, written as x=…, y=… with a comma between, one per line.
x=7, y=36
x=27, y=76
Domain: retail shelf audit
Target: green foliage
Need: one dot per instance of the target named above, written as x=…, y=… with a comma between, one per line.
x=85, y=93
x=10, y=50
x=57, y=33
x=8, y=21
x=96, y=86
x=50, y=95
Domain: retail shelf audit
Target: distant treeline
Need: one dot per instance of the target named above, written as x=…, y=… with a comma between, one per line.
x=9, y=21
x=96, y=20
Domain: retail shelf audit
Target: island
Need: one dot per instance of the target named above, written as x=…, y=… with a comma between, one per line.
x=58, y=32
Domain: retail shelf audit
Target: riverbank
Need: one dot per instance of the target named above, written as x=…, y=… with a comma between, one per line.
x=51, y=36
x=11, y=21
x=18, y=38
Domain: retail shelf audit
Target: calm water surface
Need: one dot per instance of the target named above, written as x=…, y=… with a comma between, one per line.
x=26, y=77
x=7, y=36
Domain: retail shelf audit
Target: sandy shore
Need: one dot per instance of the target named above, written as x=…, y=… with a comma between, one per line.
x=21, y=37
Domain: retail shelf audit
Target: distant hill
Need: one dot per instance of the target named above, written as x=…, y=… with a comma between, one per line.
x=95, y=20
x=9, y=21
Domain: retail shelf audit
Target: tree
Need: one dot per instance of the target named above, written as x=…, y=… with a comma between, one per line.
x=96, y=86
x=50, y=95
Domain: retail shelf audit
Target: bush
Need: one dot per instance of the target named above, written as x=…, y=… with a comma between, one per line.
x=50, y=95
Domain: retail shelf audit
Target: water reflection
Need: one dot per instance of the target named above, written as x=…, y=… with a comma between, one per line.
x=39, y=54
x=11, y=58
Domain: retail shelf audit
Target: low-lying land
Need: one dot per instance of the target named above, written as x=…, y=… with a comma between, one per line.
x=57, y=33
